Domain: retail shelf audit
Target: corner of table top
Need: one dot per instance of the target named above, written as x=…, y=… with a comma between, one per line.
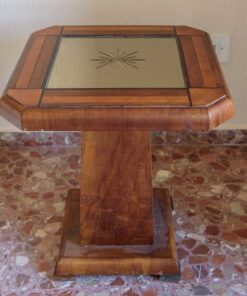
x=49, y=31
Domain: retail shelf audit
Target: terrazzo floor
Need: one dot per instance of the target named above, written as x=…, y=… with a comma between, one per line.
x=206, y=176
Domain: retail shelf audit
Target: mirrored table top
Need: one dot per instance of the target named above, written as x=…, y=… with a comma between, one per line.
x=117, y=78
x=117, y=62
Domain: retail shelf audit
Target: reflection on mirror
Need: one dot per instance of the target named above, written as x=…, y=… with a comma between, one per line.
x=117, y=62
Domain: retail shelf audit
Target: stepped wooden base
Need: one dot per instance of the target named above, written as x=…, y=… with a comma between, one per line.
x=158, y=258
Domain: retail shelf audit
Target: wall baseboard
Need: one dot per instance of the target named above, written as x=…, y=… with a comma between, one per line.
x=215, y=137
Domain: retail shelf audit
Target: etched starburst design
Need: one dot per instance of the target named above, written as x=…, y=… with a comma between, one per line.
x=118, y=59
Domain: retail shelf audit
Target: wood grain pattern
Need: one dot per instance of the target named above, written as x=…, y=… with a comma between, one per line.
x=122, y=30
x=90, y=260
x=206, y=62
x=191, y=61
x=125, y=97
x=206, y=96
x=165, y=200
x=112, y=118
x=116, y=189
x=26, y=97
x=143, y=119
x=30, y=61
x=220, y=112
x=11, y=110
x=39, y=72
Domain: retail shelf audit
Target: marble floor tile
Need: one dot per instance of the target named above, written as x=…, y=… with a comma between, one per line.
x=208, y=183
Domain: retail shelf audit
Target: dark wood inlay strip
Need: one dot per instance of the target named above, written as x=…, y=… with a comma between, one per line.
x=30, y=61
x=108, y=30
x=42, y=64
x=191, y=61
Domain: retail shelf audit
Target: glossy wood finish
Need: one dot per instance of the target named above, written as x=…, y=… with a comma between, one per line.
x=33, y=66
x=201, y=66
x=156, y=259
x=109, y=228
x=206, y=96
x=130, y=97
x=11, y=110
x=188, y=31
x=193, y=108
x=210, y=74
x=118, y=30
x=145, y=119
x=191, y=61
x=41, y=67
x=116, y=189
x=25, y=97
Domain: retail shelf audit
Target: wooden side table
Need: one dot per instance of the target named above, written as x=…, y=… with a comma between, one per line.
x=117, y=84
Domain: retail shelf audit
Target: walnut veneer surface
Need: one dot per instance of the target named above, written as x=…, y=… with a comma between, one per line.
x=115, y=206
x=203, y=104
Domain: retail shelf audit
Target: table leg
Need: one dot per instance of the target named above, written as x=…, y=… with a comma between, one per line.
x=116, y=189
x=109, y=224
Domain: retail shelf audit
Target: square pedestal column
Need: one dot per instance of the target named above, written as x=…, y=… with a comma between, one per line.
x=116, y=223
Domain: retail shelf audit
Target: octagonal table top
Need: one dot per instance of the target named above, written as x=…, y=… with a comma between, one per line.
x=117, y=78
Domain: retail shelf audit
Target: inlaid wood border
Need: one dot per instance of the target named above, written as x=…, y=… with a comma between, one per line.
x=201, y=64
x=118, y=30
x=196, y=107
x=115, y=97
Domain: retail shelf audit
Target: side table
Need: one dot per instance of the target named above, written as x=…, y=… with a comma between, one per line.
x=117, y=84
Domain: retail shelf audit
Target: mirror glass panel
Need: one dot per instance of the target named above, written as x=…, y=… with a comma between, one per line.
x=117, y=62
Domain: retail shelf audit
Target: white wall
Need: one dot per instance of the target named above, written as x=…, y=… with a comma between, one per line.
x=18, y=18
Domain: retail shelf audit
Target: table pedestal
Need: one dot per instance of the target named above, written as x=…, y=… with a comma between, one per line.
x=116, y=223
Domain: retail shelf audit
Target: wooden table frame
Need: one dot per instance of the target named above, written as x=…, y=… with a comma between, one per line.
x=109, y=224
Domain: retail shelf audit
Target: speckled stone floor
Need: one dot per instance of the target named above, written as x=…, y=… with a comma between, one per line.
x=206, y=174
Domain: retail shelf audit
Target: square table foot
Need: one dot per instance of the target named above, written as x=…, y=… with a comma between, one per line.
x=158, y=258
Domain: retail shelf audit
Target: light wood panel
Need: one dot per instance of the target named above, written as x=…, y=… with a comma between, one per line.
x=30, y=61
x=191, y=61
x=130, y=30
x=188, y=31
x=11, y=110
x=26, y=97
x=42, y=66
x=210, y=75
x=206, y=96
x=132, y=97
x=33, y=66
x=201, y=64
